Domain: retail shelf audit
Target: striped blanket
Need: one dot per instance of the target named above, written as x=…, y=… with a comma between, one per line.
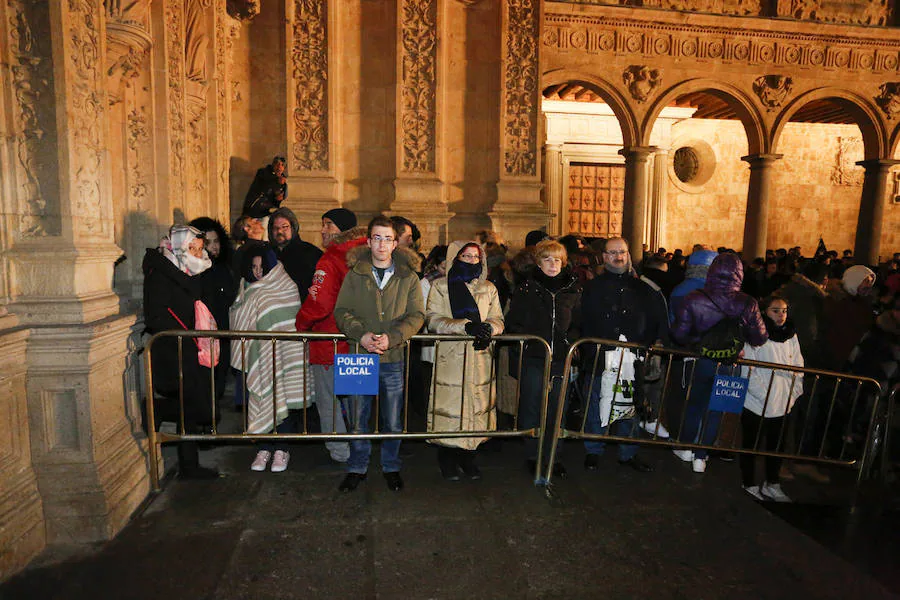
x=270, y=304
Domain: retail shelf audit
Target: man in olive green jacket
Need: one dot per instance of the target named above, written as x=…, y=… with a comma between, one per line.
x=380, y=306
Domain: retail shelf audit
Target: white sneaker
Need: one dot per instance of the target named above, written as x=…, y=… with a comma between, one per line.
x=753, y=490
x=655, y=428
x=280, y=462
x=699, y=465
x=773, y=491
x=685, y=455
x=261, y=460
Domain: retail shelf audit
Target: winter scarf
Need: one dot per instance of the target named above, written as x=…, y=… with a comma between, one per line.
x=175, y=248
x=552, y=284
x=779, y=334
x=462, y=304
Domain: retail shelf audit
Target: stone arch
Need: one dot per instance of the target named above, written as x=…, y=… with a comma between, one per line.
x=742, y=105
x=894, y=144
x=862, y=111
x=627, y=120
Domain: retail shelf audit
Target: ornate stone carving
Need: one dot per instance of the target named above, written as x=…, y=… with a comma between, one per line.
x=856, y=12
x=889, y=98
x=175, y=74
x=418, y=38
x=196, y=42
x=645, y=40
x=520, y=88
x=725, y=7
x=138, y=138
x=227, y=29
x=243, y=10
x=773, y=89
x=641, y=81
x=845, y=170
x=309, y=72
x=132, y=12
x=35, y=128
x=87, y=118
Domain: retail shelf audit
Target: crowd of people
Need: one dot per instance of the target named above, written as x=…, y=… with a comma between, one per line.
x=374, y=285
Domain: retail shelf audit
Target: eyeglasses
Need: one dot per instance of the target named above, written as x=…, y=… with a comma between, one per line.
x=471, y=257
x=378, y=239
x=616, y=252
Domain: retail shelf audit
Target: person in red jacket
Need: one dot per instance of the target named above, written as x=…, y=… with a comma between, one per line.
x=339, y=234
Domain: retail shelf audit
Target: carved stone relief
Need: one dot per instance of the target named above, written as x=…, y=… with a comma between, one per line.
x=857, y=12
x=889, y=98
x=132, y=12
x=520, y=88
x=645, y=40
x=641, y=81
x=139, y=155
x=128, y=43
x=418, y=90
x=196, y=40
x=725, y=7
x=845, y=170
x=309, y=72
x=88, y=101
x=176, y=97
x=773, y=89
x=227, y=29
x=31, y=72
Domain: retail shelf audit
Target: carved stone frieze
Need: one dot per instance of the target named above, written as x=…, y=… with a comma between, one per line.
x=641, y=81
x=724, y=7
x=132, y=12
x=176, y=96
x=89, y=104
x=138, y=157
x=845, y=170
x=888, y=98
x=418, y=88
x=227, y=28
x=34, y=117
x=745, y=46
x=196, y=40
x=853, y=12
x=520, y=84
x=773, y=89
x=309, y=73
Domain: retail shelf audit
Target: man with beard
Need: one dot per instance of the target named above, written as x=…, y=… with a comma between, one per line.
x=298, y=257
x=617, y=303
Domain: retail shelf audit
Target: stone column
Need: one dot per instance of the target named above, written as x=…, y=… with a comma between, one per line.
x=418, y=189
x=519, y=208
x=555, y=188
x=756, y=221
x=656, y=211
x=312, y=84
x=636, y=186
x=871, y=209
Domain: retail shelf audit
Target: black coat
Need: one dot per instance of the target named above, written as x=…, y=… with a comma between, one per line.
x=556, y=317
x=299, y=259
x=262, y=197
x=165, y=288
x=614, y=305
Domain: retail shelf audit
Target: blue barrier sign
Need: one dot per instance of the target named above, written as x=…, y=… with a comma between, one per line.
x=356, y=374
x=728, y=394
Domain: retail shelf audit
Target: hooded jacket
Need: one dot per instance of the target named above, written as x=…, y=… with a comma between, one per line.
x=463, y=374
x=317, y=312
x=694, y=278
x=397, y=310
x=298, y=257
x=806, y=307
x=847, y=319
x=722, y=298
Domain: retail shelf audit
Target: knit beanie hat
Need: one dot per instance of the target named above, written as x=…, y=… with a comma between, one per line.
x=534, y=237
x=343, y=218
x=854, y=276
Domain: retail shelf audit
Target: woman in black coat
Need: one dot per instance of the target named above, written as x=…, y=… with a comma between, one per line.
x=173, y=281
x=547, y=304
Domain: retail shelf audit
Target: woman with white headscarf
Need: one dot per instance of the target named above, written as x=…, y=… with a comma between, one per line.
x=173, y=284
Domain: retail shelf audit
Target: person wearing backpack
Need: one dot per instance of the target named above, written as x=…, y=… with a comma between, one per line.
x=714, y=321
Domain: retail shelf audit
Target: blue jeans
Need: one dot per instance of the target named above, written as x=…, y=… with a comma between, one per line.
x=622, y=427
x=698, y=403
x=359, y=410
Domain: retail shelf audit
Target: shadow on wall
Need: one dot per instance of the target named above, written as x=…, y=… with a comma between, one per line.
x=240, y=176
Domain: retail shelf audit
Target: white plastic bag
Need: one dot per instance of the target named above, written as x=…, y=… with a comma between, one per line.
x=617, y=385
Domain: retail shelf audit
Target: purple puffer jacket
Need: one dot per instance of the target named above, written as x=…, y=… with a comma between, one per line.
x=723, y=283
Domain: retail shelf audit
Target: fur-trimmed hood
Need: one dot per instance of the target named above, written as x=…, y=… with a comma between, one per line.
x=347, y=236
x=457, y=245
x=809, y=285
x=404, y=258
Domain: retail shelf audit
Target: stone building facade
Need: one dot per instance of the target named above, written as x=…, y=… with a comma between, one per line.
x=733, y=120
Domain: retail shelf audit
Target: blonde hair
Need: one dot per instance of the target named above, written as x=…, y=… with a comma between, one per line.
x=553, y=248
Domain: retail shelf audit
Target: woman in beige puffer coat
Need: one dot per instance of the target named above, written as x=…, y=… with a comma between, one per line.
x=461, y=398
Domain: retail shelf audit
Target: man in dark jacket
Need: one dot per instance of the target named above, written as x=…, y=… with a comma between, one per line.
x=298, y=257
x=268, y=190
x=615, y=304
x=702, y=310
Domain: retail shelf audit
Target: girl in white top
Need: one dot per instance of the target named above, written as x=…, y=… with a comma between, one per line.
x=770, y=398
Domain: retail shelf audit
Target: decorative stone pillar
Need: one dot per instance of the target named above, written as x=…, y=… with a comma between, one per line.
x=656, y=211
x=871, y=210
x=555, y=188
x=418, y=189
x=519, y=208
x=637, y=184
x=756, y=221
x=169, y=86
x=312, y=83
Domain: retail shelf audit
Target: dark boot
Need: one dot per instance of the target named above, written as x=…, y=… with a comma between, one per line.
x=447, y=463
x=466, y=460
x=189, y=463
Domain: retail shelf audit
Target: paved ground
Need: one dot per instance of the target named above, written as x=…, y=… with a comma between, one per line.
x=613, y=534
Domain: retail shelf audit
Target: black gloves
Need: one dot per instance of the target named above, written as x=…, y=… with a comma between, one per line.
x=472, y=328
x=482, y=336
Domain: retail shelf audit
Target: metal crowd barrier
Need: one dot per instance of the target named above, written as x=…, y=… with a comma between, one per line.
x=848, y=401
x=243, y=338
